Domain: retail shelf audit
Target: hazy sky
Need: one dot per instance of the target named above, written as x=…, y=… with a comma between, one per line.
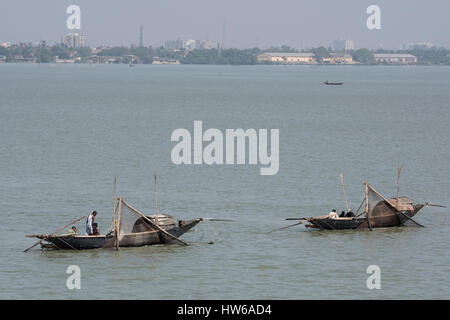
x=246, y=23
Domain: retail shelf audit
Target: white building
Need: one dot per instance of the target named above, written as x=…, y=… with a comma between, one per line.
x=287, y=57
x=189, y=44
x=396, y=58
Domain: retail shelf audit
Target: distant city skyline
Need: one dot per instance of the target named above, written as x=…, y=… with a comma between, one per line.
x=233, y=23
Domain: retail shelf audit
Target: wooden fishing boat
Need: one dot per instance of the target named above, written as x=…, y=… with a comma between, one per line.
x=133, y=230
x=130, y=228
x=379, y=213
x=143, y=234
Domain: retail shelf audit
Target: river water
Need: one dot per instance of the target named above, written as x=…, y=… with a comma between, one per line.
x=67, y=130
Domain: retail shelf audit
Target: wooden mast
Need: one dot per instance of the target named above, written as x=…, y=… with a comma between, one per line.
x=341, y=177
x=367, y=206
x=400, y=167
x=156, y=199
x=118, y=223
x=367, y=202
x=114, y=204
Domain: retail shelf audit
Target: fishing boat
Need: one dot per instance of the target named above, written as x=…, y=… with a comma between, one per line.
x=130, y=228
x=331, y=83
x=379, y=213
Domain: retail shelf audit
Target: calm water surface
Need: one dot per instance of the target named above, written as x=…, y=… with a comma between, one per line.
x=66, y=131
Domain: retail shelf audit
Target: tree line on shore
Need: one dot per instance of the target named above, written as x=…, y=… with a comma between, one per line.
x=231, y=56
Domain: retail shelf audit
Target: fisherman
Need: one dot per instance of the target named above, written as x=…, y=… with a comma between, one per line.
x=89, y=221
x=349, y=213
x=95, y=229
x=333, y=214
x=72, y=230
x=342, y=215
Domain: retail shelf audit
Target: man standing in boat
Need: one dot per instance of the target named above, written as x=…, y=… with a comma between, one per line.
x=89, y=223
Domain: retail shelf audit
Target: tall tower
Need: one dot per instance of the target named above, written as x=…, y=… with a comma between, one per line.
x=141, y=36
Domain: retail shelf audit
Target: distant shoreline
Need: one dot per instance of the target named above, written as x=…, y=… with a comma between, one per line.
x=234, y=65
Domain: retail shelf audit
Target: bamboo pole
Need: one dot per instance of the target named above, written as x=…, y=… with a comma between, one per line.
x=367, y=202
x=400, y=167
x=409, y=218
x=341, y=177
x=118, y=223
x=367, y=206
x=383, y=198
x=114, y=203
x=295, y=224
x=113, y=222
x=156, y=199
x=52, y=234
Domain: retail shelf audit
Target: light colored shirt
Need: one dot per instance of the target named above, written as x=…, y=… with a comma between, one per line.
x=89, y=225
x=333, y=215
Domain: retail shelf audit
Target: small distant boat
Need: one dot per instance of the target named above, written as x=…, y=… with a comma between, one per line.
x=333, y=83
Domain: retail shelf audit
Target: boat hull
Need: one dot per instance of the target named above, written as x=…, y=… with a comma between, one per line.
x=382, y=218
x=156, y=236
x=334, y=224
x=81, y=242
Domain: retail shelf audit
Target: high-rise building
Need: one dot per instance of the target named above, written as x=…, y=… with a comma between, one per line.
x=179, y=44
x=343, y=45
x=188, y=44
x=204, y=44
x=74, y=40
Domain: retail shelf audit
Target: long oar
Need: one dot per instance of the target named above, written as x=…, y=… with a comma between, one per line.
x=295, y=219
x=214, y=219
x=295, y=224
x=435, y=205
x=62, y=228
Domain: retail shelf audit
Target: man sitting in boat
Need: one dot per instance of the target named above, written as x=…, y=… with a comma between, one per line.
x=342, y=215
x=349, y=214
x=333, y=214
x=95, y=229
x=72, y=230
x=89, y=223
